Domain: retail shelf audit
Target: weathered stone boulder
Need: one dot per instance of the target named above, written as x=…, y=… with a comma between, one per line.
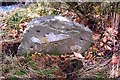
x=55, y=34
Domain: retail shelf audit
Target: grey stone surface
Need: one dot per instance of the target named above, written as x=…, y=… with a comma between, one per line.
x=51, y=34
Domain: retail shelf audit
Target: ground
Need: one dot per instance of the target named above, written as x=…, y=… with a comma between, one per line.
x=99, y=61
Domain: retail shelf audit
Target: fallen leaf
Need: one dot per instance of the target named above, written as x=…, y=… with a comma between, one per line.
x=78, y=20
x=101, y=44
x=94, y=48
x=34, y=56
x=78, y=55
x=23, y=25
x=104, y=39
x=13, y=33
x=101, y=54
x=89, y=56
x=114, y=60
x=62, y=57
x=96, y=36
x=107, y=47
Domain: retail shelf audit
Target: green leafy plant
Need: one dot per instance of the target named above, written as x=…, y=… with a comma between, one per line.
x=20, y=72
x=13, y=78
x=32, y=63
x=15, y=20
x=44, y=72
x=100, y=76
x=2, y=32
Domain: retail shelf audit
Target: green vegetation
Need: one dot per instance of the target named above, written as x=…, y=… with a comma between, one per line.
x=15, y=20
x=20, y=72
x=44, y=72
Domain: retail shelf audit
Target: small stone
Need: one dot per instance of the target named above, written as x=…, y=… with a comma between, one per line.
x=55, y=34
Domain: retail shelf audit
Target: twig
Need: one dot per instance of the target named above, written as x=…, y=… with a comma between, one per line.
x=95, y=68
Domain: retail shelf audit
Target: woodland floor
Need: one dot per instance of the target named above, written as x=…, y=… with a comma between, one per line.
x=96, y=63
